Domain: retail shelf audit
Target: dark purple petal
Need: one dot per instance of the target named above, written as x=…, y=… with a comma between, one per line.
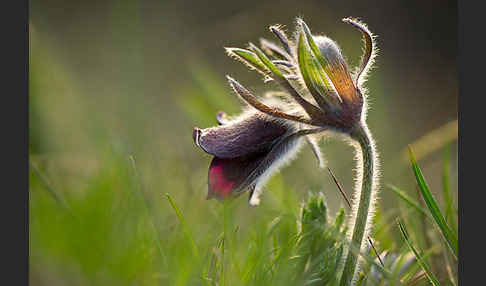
x=227, y=176
x=254, y=133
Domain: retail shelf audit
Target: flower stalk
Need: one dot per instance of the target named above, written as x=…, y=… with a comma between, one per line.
x=364, y=198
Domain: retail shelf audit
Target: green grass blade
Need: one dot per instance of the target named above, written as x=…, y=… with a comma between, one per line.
x=139, y=193
x=449, y=267
x=434, y=210
x=410, y=201
x=184, y=225
x=419, y=258
x=446, y=188
x=45, y=183
x=369, y=259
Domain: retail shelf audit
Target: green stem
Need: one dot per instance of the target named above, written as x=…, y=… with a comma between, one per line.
x=368, y=169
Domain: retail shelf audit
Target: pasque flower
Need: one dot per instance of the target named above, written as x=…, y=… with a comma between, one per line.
x=249, y=148
x=320, y=95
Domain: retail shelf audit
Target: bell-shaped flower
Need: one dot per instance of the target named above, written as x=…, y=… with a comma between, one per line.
x=248, y=149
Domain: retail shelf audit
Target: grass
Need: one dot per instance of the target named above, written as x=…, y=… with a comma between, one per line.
x=448, y=234
x=100, y=217
x=419, y=257
x=114, y=238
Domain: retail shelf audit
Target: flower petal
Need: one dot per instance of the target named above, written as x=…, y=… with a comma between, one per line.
x=230, y=178
x=315, y=79
x=329, y=56
x=226, y=176
x=253, y=132
x=369, y=50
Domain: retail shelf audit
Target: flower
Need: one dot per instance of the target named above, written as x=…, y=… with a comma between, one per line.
x=248, y=149
x=321, y=95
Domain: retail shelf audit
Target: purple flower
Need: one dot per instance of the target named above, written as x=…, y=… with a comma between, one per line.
x=248, y=149
x=321, y=95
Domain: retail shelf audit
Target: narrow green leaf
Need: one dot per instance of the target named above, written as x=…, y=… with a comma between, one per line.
x=45, y=183
x=446, y=188
x=410, y=201
x=273, y=49
x=425, y=254
x=368, y=258
x=249, y=58
x=449, y=266
x=419, y=258
x=434, y=210
x=277, y=75
x=139, y=193
x=266, y=61
x=187, y=232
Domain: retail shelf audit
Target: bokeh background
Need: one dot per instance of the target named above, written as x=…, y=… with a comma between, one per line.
x=116, y=87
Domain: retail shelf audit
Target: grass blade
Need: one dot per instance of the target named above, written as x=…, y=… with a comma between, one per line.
x=187, y=232
x=417, y=279
x=434, y=210
x=45, y=183
x=449, y=267
x=139, y=193
x=446, y=188
x=419, y=258
x=356, y=250
x=410, y=201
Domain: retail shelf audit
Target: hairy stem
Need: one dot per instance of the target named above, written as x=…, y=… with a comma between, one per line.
x=363, y=203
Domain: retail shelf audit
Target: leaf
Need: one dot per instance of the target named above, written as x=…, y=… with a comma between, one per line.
x=139, y=193
x=273, y=49
x=187, y=232
x=448, y=234
x=446, y=189
x=266, y=61
x=311, y=109
x=45, y=183
x=249, y=58
x=419, y=258
x=410, y=201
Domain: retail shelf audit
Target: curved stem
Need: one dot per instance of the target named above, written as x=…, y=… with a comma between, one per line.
x=363, y=200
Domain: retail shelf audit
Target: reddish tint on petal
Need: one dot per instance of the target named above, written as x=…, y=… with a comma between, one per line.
x=218, y=182
x=227, y=175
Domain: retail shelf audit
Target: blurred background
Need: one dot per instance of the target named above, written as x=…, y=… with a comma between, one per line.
x=116, y=88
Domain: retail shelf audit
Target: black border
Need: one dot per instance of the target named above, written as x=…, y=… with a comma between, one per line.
x=471, y=55
x=14, y=210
